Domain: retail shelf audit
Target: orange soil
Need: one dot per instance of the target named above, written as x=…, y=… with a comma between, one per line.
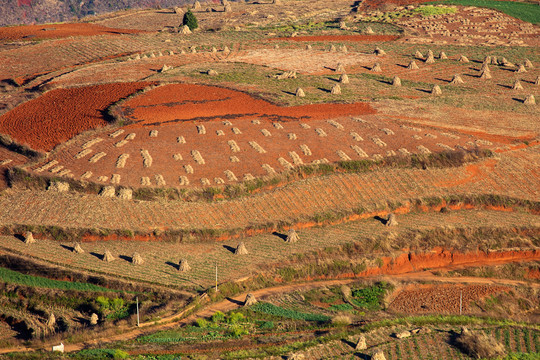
x=533, y=274
x=352, y=38
x=55, y=31
x=475, y=174
x=60, y=114
x=174, y=103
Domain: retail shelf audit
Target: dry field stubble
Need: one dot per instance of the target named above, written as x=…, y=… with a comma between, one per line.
x=265, y=251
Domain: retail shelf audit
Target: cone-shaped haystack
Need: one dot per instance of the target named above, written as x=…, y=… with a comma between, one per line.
x=250, y=300
x=456, y=80
x=494, y=60
x=165, y=68
x=184, y=266
x=418, y=55
x=51, y=321
x=485, y=66
x=396, y=81
x=530, y=100
x=292, y=236
x=521, y=69
x=344, y=79
x=226, y=49
x=138, y=57
x=197, y=5
x=391, y=220
x=344, y=49
x=29, y=238
x=178, y=10
x=517, y=85
x=276, y=2
x=185, y=30
x=276, y=46
x=361, y=343
x=442, y=55
x=340, y=68
x=152, y=55
x=537, y=80
x=308, y=47
x=336, y=90
x=430, y=59
x=369, y=30
x=77, y=249
x=463, y=59
x=379, y=52
x=241, y=249
x=436, y=90
x=505, y=62
x=528, y=64
x=376, y=67
x=378, y=355
x=332, y=48
x=212, y=72
x=94, y=319
x=486, y=74
x=108, y=256
x=228, y=8
x=300, y=92
x=487, y=60
x=194, y=50
x=412, y=65
x=137, y=259
x=214, y=49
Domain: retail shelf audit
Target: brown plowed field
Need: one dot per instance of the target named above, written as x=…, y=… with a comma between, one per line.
x=60, y=114
x=55, y=31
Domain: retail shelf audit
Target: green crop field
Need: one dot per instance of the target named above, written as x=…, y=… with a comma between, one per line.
x=524, y=11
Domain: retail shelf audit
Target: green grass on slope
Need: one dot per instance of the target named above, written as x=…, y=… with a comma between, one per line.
x=524, y=11
x=14, y=277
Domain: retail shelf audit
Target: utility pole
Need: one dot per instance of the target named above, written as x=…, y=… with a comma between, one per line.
x=216, y=278
x=460, y=301
x=138, y=324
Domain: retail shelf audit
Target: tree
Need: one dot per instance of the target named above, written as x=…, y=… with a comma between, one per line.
x=190, y=20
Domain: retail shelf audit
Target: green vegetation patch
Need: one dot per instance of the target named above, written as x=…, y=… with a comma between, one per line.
x=274, y=310
x=14, y=277
x=370, y=297
x=524, y=11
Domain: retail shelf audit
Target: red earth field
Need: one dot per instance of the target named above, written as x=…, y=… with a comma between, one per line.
x=60, y=114
x=55, y=31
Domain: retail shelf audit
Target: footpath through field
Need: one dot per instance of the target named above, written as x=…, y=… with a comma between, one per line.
x=515, y=174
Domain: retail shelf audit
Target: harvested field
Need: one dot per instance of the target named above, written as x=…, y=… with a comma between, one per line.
x=60, y=114
x=57, y=31
x=340, y=38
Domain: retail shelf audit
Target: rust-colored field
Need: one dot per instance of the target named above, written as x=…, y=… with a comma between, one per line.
x=60, y=114
x=56, y=31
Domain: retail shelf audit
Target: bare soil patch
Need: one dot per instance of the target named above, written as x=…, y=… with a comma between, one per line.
x=57, y=31
x=60, y=114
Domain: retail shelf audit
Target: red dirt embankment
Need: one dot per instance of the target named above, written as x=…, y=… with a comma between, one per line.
x=441, y=258
x=60, y=114
x=56, y=31
x=349, y=38
x=173, y=103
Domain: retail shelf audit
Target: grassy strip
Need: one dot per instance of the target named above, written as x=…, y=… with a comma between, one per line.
x=271, y=309
x=528, y=12
x=14, y=277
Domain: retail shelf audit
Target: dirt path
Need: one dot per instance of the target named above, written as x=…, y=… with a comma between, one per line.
x=127, y=333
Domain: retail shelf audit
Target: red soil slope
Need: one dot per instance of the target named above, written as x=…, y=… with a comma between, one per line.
x=181, y=102
x=60, y=114
x=55, y=31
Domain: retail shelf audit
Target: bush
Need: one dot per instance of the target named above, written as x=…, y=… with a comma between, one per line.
x=202, y=323
x=235, y=317
x=341, y=320
x=479, y=345
x=218, y=317
x=190, y=20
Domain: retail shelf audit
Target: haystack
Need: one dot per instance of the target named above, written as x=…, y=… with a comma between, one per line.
x=308, y=47
x=478, y=345
x=107, y=256
x=184, y=266
x=463, y=59
x=159, y=53
x=332, y=48
x=430, y=59
x=178, y=10
x=369, y=30
x=276, y=2
x=412, y=65
x=226, y=49
x=292, y=236
x=487, y=59
x=485, y=74
x=376, y=67
x=529, y=100
x=517, y=85
x=340, y=68
x=94, y=319
x=528, y=64
x=165, y=68
x=77, y=249
x=336, y=90
x=228, y=8
x=214, y=50
x=378, y=355
x=396, y=81
x=436, y=90
x=379, y=52
x=300, y=92
x=286, y=75
x=241, y=249
x=456, y=80
x=485, y=66
x=537, y=80
x=193, y=49
x=391, y=220
x=276, y=46
x=442, y=55
x=505, y=62
x=29, y=238
x=51, y=321
x=125, y=194
x=344, y=49
x=137, y=259
x=152, y=55
x=521, y=69
x=297, y=356
x=361, y=343
x=197, y=5
x=185, y=30
x=344, y=79
x=212, y=72
x=418, y=55
x=138, y=57
x=494, y=60
x=250, y=300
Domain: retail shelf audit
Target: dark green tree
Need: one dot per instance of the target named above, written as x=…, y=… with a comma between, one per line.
x=190, y=20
